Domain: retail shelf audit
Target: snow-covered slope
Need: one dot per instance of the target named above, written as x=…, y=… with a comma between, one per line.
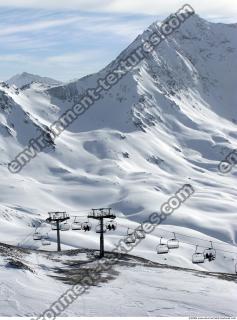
x=168, y=122
x=25, y=79
x=132, y=287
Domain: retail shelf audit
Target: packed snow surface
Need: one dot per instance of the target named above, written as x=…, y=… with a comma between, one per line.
x=132, y=287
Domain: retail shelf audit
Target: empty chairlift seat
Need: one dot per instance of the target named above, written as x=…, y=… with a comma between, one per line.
x=162, y=248
x=37, y=236
x=140, y=233
x=130, y=238
x=198, y=257
x=173, y=243
x=45, y=240
x=76, y=225
x=54, y=226
x=64, y=226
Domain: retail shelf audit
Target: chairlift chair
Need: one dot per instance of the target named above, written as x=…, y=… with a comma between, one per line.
x=173, y=243
x=210, y=253
x=45, y=242
x=140, y=234
x=54, y=226
x=111, y=225
x=162, y=248
x=37, y=236
x=198, y=257
x=131, y=238
x=64, y=226
x=86, y=226
x=76, y=225
x=130, y=232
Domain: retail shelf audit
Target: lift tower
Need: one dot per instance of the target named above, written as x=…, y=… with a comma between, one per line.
x=100, y=215
x=57, y=217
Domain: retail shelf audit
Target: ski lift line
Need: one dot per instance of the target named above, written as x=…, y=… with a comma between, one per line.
x=181, y=241
x=30, y=235
x=181, y=234
x=85, y=216
x=86, y=210
x=193, y=237
x=202, y=239
x=72, y=210
x=205, y=247
x=176, y=233
x=89, y=210
x=186, y=242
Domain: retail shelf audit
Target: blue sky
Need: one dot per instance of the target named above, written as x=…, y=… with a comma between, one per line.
x=67, y=39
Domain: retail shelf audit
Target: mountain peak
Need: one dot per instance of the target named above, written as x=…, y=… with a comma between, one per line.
x=25, y=78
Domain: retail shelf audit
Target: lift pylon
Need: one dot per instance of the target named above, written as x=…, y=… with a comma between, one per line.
x=101, y=214
x=56, y=217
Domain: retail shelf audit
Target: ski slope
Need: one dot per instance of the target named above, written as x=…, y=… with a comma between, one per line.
x=133, y=287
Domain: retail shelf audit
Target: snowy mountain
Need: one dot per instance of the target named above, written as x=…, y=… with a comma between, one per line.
x=168, y=122
x=25, y=79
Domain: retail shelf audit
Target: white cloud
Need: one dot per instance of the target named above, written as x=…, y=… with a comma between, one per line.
x=220, y=8
x=79, y=24
x=128, y=29
x=35, y=26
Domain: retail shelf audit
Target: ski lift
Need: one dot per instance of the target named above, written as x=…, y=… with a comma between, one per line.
x=86, y=226
x=162, y=248
x=111, y=225
x=37, y=236
x=210, y=253
x=173, y=243
x=45, y=240
x=236, y=268
x=76, y=225
x=140, y=234
x=54, y=226
x=65, y=226
x=198, y=257
x=130, y=236
x=98, y=229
